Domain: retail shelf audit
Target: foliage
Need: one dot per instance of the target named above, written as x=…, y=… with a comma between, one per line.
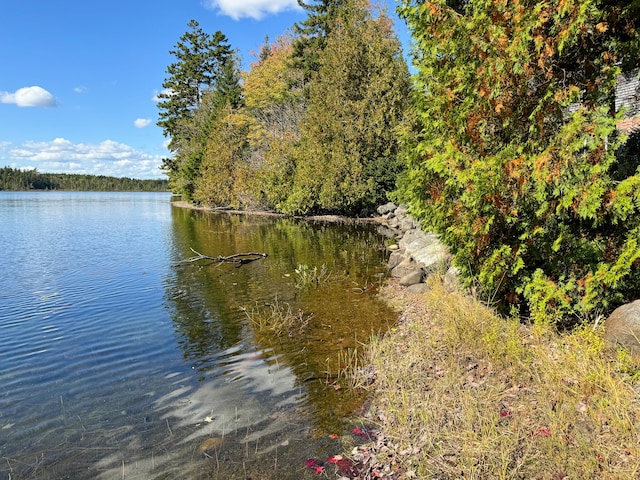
x=20, y=180
x=312, y=33
x=355, y=103
x=275, y=104
x=279, y=319
x=307, y=276
x=200, y=60
x=513, y=159
x=259, y=141
x=224, y=154
x=205, y=63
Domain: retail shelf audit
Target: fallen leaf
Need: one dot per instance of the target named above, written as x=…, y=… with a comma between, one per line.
x=315, y=465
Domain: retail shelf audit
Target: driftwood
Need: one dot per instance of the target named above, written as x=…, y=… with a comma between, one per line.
x=237, y=258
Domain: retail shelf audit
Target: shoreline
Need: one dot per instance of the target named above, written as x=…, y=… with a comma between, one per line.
x=265, y=213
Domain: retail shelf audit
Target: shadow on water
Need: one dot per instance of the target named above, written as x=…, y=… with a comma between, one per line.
x=294, y=375
x=131, y=365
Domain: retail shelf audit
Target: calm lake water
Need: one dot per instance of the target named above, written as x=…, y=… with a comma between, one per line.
x=118, y=362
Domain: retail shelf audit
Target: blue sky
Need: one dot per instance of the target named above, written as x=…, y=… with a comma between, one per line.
x=78, y=78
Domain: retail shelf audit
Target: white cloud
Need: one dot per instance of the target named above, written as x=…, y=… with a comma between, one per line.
x=257, y=9
x=81, y=89
x=29, y=97
x=166, y=91
x=62, y=156
x=142, y=122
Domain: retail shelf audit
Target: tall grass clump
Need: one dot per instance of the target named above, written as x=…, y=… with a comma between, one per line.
x=305, y=276
x=278, y=318
x=463, y=393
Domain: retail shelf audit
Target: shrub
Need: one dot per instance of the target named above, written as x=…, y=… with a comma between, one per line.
x=513, y=158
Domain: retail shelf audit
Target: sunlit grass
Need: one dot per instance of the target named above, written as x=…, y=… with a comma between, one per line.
x=306, y=276
x=463, y=393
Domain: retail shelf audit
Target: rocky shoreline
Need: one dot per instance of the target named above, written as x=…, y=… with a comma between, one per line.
x=417, y=254
x=413, y=257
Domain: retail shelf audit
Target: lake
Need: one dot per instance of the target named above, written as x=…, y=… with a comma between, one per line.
x=120, y=360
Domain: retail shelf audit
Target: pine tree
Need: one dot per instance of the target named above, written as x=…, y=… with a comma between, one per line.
x=201, y=59
x=206, y=67
x=312, y=34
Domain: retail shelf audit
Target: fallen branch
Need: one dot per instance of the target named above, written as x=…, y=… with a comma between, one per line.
x=238, y=258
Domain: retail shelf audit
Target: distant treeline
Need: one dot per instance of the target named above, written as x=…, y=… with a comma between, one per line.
x=16, y=180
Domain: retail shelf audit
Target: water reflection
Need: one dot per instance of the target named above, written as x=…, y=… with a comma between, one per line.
x=207, y=299
x=117, y=363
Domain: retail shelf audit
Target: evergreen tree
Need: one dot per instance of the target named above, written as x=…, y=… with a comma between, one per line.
x=312, y=34
x=513, y=158
x=200, y=60
x=356, y=102
x=204, y=63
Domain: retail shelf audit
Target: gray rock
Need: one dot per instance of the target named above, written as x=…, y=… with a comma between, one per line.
x=451, y=280
x=386, y=208
x=402, y=210
x=406, y=224
x=425, y=248
x=406, y=266
x=395, y=259
x=393, y=222
x=418, y=288
x=386, y=232
x=623, y=327
x=411, y=278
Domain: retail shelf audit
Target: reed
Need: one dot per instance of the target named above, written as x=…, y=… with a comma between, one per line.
x=278, y=318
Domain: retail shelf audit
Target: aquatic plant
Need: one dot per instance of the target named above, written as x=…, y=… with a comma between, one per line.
x=278, y=318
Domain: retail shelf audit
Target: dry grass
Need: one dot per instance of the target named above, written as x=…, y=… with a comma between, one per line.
x=462, y=393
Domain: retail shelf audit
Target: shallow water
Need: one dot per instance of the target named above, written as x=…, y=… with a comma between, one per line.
x=119, y=362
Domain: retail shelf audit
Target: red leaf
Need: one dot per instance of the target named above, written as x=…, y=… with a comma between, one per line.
x=346, y=467
x=313, y=464
x=361, y=433
x=544, y=432
x=335, y=458
x=334, y=435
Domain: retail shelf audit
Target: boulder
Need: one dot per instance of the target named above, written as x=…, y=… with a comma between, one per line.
x=393, y=222
x=418, y=288
x=411, y=278
x=386, y=208
x=623, y=327
x=425, y=248
x=395, y=259
x=406, y=223
x=405, y=267
x=402, y=210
